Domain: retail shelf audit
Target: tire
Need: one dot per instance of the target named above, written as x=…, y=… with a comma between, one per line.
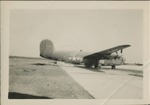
x=87, y=65
x=113, y=67
x=99, y=67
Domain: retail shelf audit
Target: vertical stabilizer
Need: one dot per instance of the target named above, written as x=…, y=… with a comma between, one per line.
x=46, y=48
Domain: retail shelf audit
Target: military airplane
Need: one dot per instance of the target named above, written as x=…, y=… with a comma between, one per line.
x=109, y=57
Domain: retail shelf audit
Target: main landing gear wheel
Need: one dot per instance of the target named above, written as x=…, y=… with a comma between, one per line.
x=97, y=66
x=87, y=65
x=113, y=67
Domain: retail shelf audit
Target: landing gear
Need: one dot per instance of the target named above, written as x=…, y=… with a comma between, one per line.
x=90, y=65
x=87, y=65
x=97, y=66
x=113, y=67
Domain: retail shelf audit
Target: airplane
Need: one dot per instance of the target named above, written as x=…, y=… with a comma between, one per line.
x=109, y=57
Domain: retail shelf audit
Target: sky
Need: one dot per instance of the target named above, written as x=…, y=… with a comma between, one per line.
x=74, y=30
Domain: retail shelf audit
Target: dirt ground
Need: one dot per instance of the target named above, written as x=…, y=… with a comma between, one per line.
x=42, y=79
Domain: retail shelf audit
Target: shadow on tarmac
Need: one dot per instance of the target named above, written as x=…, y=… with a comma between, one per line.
x=136, y=75
x=129, y=70
x=90, y=69
x=117, y=69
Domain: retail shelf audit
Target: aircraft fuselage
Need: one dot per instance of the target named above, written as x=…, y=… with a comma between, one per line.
x=108, y=57
x=78, y=58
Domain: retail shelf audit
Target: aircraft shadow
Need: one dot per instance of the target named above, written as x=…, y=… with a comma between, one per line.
x=118, y=69
x=129, y=70
x=15, y=95
x=137, y=75
x=90, y=69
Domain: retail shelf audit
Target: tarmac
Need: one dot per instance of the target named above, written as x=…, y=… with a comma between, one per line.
x=126, y=82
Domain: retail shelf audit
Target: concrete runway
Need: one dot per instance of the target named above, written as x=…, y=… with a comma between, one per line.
x=126, y=82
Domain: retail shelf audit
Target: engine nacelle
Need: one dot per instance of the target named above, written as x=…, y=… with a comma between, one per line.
x=115, y=55
x=119, y=60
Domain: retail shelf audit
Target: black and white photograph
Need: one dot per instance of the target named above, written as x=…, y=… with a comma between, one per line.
x=76, y=53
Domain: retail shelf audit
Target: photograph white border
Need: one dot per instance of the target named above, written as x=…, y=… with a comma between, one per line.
x=6, y=6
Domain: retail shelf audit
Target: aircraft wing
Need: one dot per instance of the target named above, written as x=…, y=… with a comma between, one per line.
x=105, y=54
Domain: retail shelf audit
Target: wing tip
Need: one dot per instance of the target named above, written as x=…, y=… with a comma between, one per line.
x=126, y=45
